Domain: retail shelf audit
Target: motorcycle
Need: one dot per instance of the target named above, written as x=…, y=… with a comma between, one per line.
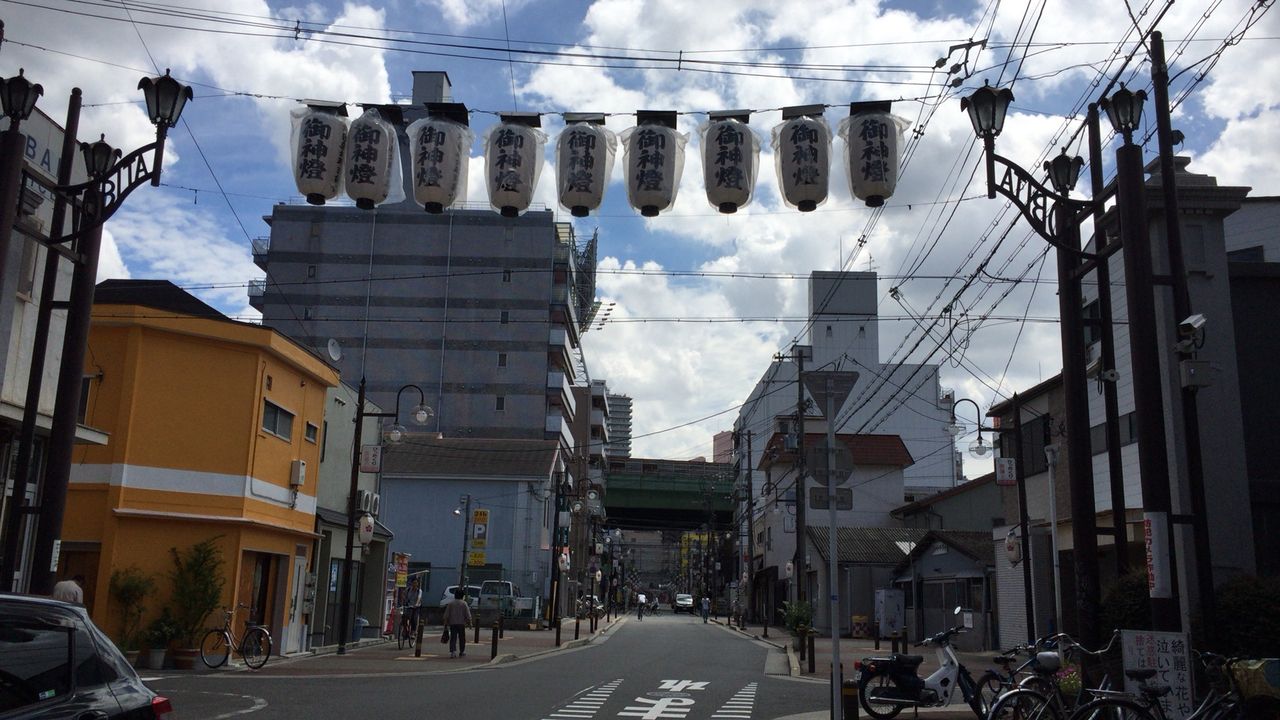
x=886, y=685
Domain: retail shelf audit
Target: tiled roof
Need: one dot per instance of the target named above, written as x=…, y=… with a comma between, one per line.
x=155, y=294
x=458, y=457
x=865, y=449
x=977, y=545
x=868, y=546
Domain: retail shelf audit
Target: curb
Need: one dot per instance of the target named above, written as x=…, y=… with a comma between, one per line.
x=753, y=636
x=794, y=661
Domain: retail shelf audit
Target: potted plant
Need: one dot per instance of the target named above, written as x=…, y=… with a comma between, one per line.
x=197, y=591
x=160, y=634
x=797, y=617
x=129, y=587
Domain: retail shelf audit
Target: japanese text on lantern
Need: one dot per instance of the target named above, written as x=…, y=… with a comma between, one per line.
x=315, y=148
x=507, y=164
x=430, y=155
x=364, y=154
x=875, y=150
x=729, y=172
x=581, y=161
x=651, y=159
x=805, y=140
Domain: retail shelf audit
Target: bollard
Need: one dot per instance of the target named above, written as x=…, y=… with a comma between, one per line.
x=559, y=622
x=577, y=627
x=803, y=645
x=765, y=626
x=417, y=649
x=812, y=659
x=849, y=699
x=477, y=624
x=501, y=627
x=877, y=641
x=493, y=640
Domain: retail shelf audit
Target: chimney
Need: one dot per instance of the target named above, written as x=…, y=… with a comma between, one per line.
x=431, y=86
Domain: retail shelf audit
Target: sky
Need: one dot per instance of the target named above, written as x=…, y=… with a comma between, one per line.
x=701, y=301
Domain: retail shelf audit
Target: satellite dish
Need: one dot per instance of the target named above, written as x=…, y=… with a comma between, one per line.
x=335, y=350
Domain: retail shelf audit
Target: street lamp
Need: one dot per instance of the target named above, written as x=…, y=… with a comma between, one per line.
x=353, y=492
x=111, y=179
x=1124, y=110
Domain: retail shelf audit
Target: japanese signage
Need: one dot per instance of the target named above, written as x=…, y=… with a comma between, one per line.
x=1169, y=654
x=370, y=153
x=440, y=150
x=479, y=528
x=514, y=161
x=730, y=154
x=401, y=563
x=872, y=137
x=371, y=458
x=1155, y=530
x=654, y=162
x=319, y=143
x=1006, y=471
x=584, y=160
x=802, y=156
x=475, y=558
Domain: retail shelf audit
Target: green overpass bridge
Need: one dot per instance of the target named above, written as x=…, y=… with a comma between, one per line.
x=645, y=494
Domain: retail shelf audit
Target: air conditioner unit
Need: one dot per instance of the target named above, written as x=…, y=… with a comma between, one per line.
x=298, y=473
x=364, y=501
x=374, y=504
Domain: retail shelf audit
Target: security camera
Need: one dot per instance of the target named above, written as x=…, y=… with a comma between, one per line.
x=1191, y=325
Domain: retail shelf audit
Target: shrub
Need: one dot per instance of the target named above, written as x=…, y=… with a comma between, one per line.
x=197, y=588
x=1247, y=617
x=1126, y=604
x=128, y=588
x=796, y=615
x=161, y=631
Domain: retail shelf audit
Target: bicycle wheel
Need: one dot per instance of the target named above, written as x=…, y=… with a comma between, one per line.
x=256, y=647
x=990, y=687
x=215, y=648
x=1021, y=704
x=412, y=629
x=1111, y=708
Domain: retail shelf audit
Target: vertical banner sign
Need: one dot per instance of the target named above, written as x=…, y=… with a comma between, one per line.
x=479, y=528
x=402, y=569
x=440, y=145
x=1155, y=527
x=1169, y=654
x=319, y=143
x=1006, y=471
x=371, y=458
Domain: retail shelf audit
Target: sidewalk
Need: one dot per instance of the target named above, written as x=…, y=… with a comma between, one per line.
x=385, y=658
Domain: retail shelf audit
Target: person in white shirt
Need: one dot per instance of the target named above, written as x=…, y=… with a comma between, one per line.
x=640, y=612
x=70, y=591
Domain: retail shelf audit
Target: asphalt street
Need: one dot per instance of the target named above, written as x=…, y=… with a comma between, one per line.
x=662, y=668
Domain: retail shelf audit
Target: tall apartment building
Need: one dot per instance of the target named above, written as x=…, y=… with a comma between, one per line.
x=619, y=426
x=482, y=312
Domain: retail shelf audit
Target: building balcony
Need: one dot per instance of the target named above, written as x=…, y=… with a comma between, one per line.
x=257, y=289
x=560, y=389
x=599, y=423
x=558, y=428
x=261, y=246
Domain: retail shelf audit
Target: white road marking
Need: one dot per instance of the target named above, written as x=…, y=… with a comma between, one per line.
x=667, y=708
x=739, y=706
x=586, y=704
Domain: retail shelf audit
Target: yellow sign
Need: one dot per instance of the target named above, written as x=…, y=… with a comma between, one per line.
x=479, y=528
x=475, y=558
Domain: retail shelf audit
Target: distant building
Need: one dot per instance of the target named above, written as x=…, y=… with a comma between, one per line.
x=722, y=447
x=619, y=426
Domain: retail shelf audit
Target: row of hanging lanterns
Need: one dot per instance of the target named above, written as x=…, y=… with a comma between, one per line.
x=362, y=158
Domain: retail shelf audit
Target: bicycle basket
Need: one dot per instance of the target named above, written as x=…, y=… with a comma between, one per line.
x=1258, y=678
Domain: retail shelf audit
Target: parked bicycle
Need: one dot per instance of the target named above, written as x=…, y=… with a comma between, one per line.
x=1040, y=695
x=1222, y=699
x=254, y=648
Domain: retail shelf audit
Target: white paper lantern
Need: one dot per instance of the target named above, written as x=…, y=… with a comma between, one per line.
x=371, y=157
x=653, y=154
x=513, y=161
x=319, y=141
x=802, y=156
x=730, y=156
x=440, y=145
x=584, y=161
x=872, y=139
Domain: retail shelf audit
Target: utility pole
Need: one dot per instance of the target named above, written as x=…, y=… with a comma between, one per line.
x=466, y=532
x=749, y=608
x=800, y=563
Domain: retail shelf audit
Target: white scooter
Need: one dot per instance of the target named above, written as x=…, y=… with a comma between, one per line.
x=886, y=685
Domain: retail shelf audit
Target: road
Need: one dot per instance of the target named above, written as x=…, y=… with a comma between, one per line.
x=662, y=668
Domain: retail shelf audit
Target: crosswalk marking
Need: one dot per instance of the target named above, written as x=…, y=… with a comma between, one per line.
x=587, y=704
x=739, y=706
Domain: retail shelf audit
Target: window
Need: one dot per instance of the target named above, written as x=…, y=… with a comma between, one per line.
x=504, y=317
x=311, y=271
x=82, y=412
x=506, y=276
x=27, y=273
x=1092, y=317
x=34, y=652
x=1128, y=433
x=311, y=432
x=501, y=403
x=828, y=331
x=276, y=420
x=502, y=359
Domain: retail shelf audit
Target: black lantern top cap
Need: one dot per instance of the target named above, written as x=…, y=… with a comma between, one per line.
x=99, y=157
x=1124, y=109
x=165, y=99
x=18, y=95
x=1064, y=171
x=987, y=107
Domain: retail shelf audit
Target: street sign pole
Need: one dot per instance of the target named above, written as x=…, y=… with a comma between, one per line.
x=833, y=387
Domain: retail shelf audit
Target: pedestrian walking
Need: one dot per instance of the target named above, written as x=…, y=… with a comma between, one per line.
x=706, y=608
x=457, y=616
x=70, y=591
x=640, y=607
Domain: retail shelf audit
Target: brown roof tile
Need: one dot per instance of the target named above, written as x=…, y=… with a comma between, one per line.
x=429, y=455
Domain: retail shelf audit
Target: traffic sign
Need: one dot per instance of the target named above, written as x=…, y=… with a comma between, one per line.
x=834, y=383
x=816, y=461
x=475, y=558
x=479, y=528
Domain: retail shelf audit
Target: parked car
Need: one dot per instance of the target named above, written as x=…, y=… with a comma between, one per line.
x=505, y=597
x=55, y=663
x=473, y=595
x=683, y=603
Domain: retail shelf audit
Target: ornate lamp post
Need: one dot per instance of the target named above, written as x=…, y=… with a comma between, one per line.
x=111, y=179
x=421, y=413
